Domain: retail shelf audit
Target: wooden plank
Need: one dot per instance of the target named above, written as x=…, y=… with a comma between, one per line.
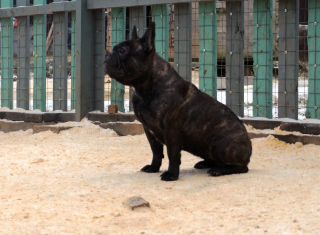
x=118, y=35
x=183, y=40
x=98, y=57
x=84, y=52
x=313, y=105
x=49, y=37
x=208, y=48
x=234, y=57
x=73, y=59
x=23, y=56
x=138, y=18
x=96, y=4
x=38, y=9
x=6, y=58
x=60, y=61
x=262, y=58
x=39, y=59
x=160, y=15
x=288, y=58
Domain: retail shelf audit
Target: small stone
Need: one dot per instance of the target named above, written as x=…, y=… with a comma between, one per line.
x=136, y=202
x=298, y=144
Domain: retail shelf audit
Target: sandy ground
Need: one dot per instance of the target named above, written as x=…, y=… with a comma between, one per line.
x=76, y=182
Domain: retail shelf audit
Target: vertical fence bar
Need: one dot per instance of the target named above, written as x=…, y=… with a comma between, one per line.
x=313, y=105
x=118, y=35
x=6, y=58
x=73, y=59
x=60, y=60
x=138, y=18
x=262, y=58
x=160, y=15
x=234, y=57
x=183, y=40
x=84, y=52
x=98, y=57
x=208, y=48
x=288, y=58
x=39, y=59
x=23, y=55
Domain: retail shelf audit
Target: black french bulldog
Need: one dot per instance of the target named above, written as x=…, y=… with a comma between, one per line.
x=176, y=113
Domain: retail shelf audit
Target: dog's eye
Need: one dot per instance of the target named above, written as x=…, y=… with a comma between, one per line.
x=122, y=50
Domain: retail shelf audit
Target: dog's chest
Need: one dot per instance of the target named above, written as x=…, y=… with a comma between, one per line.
x=150, y=119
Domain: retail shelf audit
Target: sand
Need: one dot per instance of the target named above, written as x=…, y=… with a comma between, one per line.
x=75, y=182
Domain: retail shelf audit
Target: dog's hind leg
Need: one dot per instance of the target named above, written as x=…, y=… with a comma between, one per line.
x=227, y=170
x=204, y=164
x=231, y=156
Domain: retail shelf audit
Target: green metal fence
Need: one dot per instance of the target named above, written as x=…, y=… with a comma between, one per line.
x=257, y=57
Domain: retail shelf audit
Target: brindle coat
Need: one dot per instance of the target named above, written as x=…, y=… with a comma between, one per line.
x=177, y=114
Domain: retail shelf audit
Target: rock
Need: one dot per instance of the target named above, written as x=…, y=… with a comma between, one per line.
x=136, y=202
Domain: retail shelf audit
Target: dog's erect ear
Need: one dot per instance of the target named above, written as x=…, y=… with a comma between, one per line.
x=134, y=34
x=149, y=36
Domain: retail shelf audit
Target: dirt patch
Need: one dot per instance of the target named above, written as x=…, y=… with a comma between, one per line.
x=75, y=182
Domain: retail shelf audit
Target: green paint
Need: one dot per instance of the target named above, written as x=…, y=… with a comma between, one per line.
x=313, y=105
x=263, y=58
x=160, y=15
x=39, y=2
x=118, y=35
x=39, y=60
x=73, y=59
x=6, y=58
x=6, y=3
x=6, y=62
x=208, y=48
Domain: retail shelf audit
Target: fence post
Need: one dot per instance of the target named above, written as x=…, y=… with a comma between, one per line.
x=160, y=15
x=6, y=58
x=60, y=60
x=313, y=105
x=234, y=57
x=208, y=48
x=182, y=40
x=288, y=58
x=98, y=57
x=138, y=18
x=84, y=53
x=39, y=59
x=118, y=35
x=23, y=58
x=73, y=59
x=262, y=58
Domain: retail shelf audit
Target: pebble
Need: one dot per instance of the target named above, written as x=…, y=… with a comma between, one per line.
x=136, y=202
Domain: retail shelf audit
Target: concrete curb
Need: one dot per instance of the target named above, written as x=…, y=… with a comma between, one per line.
x=123, y=124
x=10, y=126
x=54, y=128
x=122, y=128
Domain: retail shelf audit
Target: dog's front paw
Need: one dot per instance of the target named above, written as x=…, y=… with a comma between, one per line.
x=150, y=169
x=168, y=176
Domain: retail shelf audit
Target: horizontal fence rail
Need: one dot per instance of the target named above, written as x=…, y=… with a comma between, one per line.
x=257, y=57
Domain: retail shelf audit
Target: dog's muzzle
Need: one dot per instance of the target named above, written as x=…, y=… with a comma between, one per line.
x=111, y=63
